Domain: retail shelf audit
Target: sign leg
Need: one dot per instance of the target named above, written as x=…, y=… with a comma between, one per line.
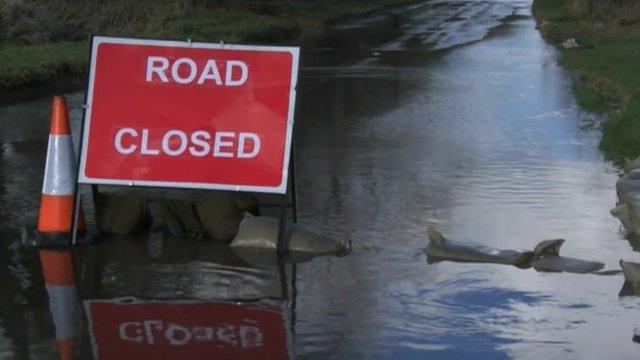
x=73, y=239
x=294, y=188
x=294, y=298
x=283, y=276
x=282, y=225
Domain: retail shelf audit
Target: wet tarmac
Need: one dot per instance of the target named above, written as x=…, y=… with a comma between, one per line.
x=451, y=114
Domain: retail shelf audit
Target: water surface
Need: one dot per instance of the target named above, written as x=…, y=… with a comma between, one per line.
x=450, y=113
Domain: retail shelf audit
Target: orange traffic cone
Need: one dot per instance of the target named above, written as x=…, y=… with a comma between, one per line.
x=64, y=301
x=56, y=202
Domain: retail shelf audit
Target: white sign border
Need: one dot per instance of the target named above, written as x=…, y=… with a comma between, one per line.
x=280, y=189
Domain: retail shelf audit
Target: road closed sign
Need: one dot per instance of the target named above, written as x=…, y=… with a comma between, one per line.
x=189, y=115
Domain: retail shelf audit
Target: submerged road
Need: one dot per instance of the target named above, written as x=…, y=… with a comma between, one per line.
x=449, y=113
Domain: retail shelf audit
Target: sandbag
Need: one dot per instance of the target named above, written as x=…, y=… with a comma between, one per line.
x=120, y=213
x=631, y=198
x=262, y=233
x=215, y=215
x=629, y=182
x=220, y=213
x=548, y=248
x=630, y=165
x=177, y=218
x=621, y=212
x=440, y=249
x=628, y=216
x=631, y=272
x=546, y=258
x=566, y=264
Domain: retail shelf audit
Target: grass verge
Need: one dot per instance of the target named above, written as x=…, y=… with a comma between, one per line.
x=24, y=66
x=608, y=68
x=288, y=22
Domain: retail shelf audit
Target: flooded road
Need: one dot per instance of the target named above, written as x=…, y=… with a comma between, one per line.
x=450, y=113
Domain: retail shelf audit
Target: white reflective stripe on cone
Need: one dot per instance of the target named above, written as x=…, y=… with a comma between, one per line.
x=64, y=305
x=59, y=173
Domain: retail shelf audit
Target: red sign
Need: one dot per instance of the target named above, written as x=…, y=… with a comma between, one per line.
x=185, y=330
x=189, y=115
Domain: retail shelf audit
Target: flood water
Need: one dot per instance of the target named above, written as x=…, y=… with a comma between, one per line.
x=449, y=113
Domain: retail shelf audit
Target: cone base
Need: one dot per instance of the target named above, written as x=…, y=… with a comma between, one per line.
x=56, y=213
x=31, y=238
x=66, y=348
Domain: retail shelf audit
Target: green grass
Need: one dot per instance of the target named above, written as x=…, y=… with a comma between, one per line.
x=24, y=66
x=231, y=25
x=274, y=22
x=609, y=68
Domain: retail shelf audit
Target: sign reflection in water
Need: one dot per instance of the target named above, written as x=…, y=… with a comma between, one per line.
x=169, y=298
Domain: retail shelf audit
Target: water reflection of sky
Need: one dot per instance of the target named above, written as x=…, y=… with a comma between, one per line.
x=486, y=142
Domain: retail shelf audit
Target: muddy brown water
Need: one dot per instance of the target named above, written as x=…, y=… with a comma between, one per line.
x=449, y=113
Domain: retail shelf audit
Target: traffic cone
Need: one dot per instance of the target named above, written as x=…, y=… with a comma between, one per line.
x=56, y=202
x=64, y=300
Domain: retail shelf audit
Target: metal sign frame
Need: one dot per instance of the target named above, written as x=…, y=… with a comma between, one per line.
x=86, y=125
x=287, y=189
